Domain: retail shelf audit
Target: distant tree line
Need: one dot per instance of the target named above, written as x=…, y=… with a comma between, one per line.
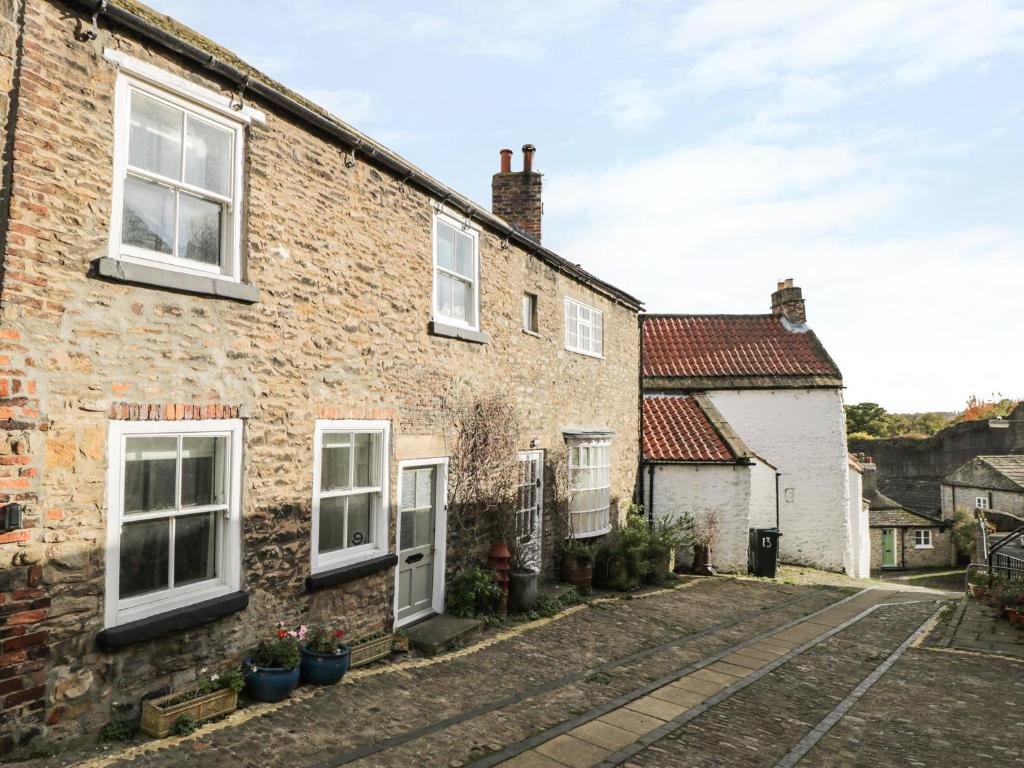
x=870, y=420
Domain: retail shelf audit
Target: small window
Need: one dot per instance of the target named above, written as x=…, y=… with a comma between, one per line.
x=981, y=502
x=456, y=273
x=584, y=329
x=530, y=312
x=922, y=539
x=177, y=201
x=174, y=534
x=350, y=482
x=589, y=487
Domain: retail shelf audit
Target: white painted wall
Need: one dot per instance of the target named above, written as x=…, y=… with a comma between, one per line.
x=803, y=433
x=697, y=488
x=860, y=534
x=762, y=495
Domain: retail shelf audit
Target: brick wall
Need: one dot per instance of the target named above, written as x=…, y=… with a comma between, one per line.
x=343, y=258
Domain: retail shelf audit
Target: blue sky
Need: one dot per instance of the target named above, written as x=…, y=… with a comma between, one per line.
x=696, y=152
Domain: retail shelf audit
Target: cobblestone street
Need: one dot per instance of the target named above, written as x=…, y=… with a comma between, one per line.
x=715, y=672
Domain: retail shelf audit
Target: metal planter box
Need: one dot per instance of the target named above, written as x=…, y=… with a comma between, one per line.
x=159, y=715
x=371, y=651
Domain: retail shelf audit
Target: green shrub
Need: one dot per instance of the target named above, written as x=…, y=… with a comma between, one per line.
x=474, y=593
x=183, y=726
x=117, y=730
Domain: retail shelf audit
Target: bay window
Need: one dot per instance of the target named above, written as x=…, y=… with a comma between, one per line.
x=589, y=487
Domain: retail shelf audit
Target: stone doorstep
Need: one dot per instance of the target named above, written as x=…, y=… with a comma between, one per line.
x=438, y=634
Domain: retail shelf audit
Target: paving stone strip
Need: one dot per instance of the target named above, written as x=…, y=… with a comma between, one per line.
x=805, y=745
x=440, y=725
x=614, y=732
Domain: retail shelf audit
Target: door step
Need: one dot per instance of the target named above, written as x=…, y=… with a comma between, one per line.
x=442, y=633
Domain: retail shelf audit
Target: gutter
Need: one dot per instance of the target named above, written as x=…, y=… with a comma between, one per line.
x=354, y=139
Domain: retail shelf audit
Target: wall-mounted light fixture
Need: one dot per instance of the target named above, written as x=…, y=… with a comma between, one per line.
x=10, y=517
x=534, y=443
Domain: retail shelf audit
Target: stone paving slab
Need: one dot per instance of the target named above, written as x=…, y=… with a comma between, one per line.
x=979, y=629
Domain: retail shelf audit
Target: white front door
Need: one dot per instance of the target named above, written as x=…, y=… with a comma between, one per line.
x=422, y=522
x=530, y=510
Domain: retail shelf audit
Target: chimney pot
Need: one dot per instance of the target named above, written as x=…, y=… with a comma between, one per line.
x=788, y=302
x=516, y=197
x=528, y=150
x=506, y=161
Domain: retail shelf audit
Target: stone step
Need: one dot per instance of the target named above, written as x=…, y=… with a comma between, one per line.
x=442, y=633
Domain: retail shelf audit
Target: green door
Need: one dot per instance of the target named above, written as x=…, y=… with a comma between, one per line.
x=888, y=547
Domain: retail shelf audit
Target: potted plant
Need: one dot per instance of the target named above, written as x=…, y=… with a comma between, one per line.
x=324, y=656
x=577, y=564
x=214, y=697
x=522, y=577
x=620, y=562
x=400, y=641
x=369, y=648
x=273, y=670
x=706, y=529
x=666, y=535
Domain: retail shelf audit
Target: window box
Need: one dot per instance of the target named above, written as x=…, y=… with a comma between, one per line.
x=160, y=715
x=370, y=648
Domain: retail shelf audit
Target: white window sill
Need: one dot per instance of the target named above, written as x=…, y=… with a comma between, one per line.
x=325, y=563
x=923, y=546
x=126, y=271
x=585, y=353
x=461, y=332
x=532, y=333
x=592, y=534
x=155, y=606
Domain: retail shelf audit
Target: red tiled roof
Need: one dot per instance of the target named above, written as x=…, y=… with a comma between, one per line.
x=676, y=429
x=731, y=345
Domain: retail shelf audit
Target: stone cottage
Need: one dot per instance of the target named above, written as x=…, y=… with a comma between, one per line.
x=992, y=484
x=911, y=469
x=901, y=537
x=771, y=381
x=230, y=326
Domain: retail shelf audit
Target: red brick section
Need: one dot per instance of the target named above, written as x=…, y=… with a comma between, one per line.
x=676, y=429
x=730, y=345
x=172, y=411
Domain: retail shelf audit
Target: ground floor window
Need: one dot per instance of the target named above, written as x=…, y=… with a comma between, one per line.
x=350, y=492
x=173, y=526
x=589, y=487
x=922, y=539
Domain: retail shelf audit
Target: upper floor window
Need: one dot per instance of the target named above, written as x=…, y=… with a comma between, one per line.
x=173, y=536
x=981, y=502
x=177, y=181
x=584, y=328
x=456, y=273
x=350, y=492
x=589, y=487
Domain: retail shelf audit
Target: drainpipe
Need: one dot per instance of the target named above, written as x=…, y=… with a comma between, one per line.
x=650, y=494
x=778, y=524
x=903, y=548
x=640, y=434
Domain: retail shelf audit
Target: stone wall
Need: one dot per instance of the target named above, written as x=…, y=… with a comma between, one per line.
x=343, y=259
x=941, y=555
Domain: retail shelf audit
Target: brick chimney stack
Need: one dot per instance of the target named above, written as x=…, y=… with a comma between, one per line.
x=516, y=195
x=788, y=302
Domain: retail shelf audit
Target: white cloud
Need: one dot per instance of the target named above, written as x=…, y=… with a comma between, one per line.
x=632, y=105
x=711, y=228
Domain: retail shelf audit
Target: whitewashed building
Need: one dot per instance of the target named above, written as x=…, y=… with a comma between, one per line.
x=773, y=385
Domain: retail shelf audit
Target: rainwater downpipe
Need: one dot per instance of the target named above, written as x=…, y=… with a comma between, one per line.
x=650, y=494
x=778, y=524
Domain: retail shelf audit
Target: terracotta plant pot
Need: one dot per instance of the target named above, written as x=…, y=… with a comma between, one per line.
x=580, y=576
x=1013, y=614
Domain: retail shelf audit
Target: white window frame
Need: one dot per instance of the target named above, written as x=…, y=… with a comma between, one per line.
x=474, y=234
x=209, y=109
x=590, y=443
x=380, y=514
x=981, y=502
x=118, y=611
x=923, y=539
x=590, y=351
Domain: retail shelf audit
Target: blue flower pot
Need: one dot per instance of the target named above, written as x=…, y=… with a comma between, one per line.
x=270, y=683
x=324, y=668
